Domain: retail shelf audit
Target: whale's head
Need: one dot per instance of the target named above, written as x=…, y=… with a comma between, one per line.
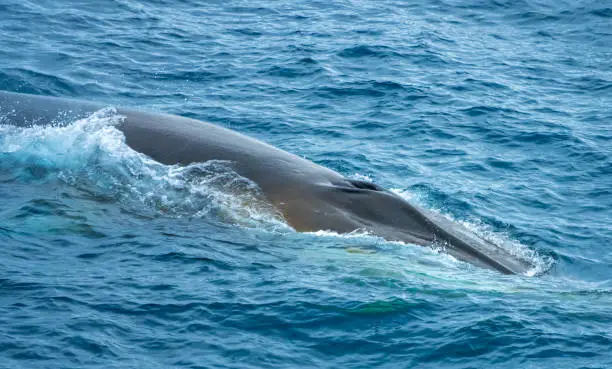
x=349, y=205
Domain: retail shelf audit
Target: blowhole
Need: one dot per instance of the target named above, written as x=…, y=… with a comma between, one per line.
x=364, y=185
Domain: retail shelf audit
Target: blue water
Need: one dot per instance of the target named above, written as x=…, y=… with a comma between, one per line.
x=496, y=114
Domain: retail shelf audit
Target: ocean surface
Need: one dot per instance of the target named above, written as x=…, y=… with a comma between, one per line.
x=497, y=114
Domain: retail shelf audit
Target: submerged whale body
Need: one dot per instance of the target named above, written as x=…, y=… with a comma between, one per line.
x=309, y=196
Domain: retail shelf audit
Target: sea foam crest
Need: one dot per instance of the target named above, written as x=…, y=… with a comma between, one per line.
x=91, y=155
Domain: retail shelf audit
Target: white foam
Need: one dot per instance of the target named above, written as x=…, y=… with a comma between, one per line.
x=91, y=154
x=361, y=177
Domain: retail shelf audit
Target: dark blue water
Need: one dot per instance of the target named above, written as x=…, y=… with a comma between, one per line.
x=495, y=113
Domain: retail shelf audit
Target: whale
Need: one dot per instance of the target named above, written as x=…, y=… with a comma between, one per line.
x=309, y=196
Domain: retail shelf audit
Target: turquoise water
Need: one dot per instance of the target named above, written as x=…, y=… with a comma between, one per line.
x=495, y=113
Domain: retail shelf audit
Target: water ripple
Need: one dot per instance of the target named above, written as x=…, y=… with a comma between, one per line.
x=495, y=113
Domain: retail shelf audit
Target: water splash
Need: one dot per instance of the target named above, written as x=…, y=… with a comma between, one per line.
x=91, y=155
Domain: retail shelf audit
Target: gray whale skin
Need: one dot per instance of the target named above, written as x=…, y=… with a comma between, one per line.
x=309, y=196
